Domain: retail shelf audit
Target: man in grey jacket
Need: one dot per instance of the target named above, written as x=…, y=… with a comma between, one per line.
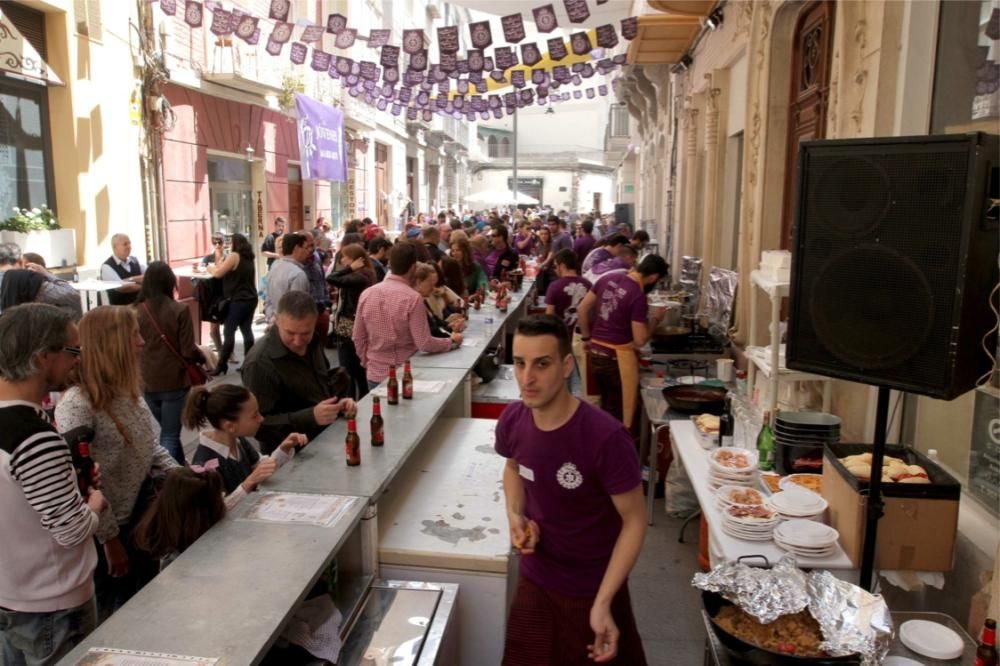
x=288, y=273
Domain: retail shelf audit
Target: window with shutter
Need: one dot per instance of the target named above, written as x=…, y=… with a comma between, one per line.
x=87, y=14
x=30, y=23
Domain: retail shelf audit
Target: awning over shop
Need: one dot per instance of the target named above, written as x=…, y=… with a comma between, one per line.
x=18, y=56
x=662, y=40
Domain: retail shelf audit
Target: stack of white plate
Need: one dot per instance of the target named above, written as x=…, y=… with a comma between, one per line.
x=806, y=538
x=732, y=466
x=730, y=495
x=798, y=504
x=749, y=522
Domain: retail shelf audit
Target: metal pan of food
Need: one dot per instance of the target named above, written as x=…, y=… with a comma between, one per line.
x=790, y=640
x=671, y=332
x=696, y=399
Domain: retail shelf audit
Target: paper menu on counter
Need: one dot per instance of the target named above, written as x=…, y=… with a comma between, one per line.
x=309, y=509
x=116, y=657
x=419, y=386
x=471, y=342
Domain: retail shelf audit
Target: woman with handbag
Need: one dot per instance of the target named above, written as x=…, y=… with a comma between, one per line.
x=239, y=292
x=352, y=274
x=106, y=396
x=170, y=362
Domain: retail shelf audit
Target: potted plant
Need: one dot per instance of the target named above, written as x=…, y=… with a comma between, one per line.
x=37, y=230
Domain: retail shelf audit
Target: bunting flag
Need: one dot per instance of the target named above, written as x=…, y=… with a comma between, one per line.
x=335, y=23
x=279, y=10
x=389, y=56
x=463, y=66
x=539, y=76
x=320, y=60
x=513, y=28
x=602, y=90
x=247, y=27
x=517, y=78
x=381, y=104
x=404, y=95
x=345, y=38
x=439, y=75
x=193, y=13
x=311, y=33
x=390, y=75
x=449, y=62
x=413, y=41
x=344, y=66
x=577, y=94
x=607, y=37
x=580, y=42
x=482, y=87
x=530, y=55
x=273, y=47
x=462, y=86
x=488, y=63
x=498, y=76
x=168, y=7
x=282, y=33
x=504, y=57
x=476, y=62
x=447, y=39
x=221, y=22
x=545, y=18
x=368, y=71
x=587, y=70
x=413, y=77
x=418, y=61
x=379, y=38
x=577, y=10
x=630, y=27
x=590, y=93
x=557, y=48
x=298, y=53
x=480, y=34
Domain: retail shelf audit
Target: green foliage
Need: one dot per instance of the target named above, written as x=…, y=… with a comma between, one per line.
x=30, y=219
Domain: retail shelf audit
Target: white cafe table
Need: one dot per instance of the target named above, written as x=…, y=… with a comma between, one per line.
x=722, y=547
x=95, y=287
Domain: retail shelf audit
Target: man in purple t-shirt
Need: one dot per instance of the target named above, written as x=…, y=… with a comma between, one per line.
x=575, y=508
x=564, y=295
x=561, y=240
x=585, y=242
x=613, y=324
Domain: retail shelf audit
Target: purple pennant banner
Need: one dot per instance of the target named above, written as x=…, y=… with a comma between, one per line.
x=413, y=41
x=379, y=38
x=458, y=103
x=498, y=113
x=382, y=104
x=603, y=90
x=344, y=65
x=527, y=96
x=619, y=59
x=587, y=71
x=246, y=28
x=320, y=60
x=577, y=10
x=390, y=75
x=509, y=99
x=539, y=76
x=254, y=38
x=449, y=62
x=630, y=27
x=389, y=56
x=413, y=77
x=418, y=61
x=577, y=80
x=193, y=13
x=488, y=63
x=352, y=80
x=484, y=115
x=221, y=22
x=388, y=91
x=545, y=18
x=447, y=39
x=422, y=99
x=368, y=86
x=463, y=66
x=504, y=56
x=311, y=33
x=513, y=28
x=279, y=10
x=607, y=37
x=273, y=47
x=441, y=102
x=428, y=116
x=282, y=33
x=235, y=15
x=560, y=73
x=577, y=67
x=335, y=23
x=482, y=87
x=396, y=109
x=543, y=91
x=439, y=74
x=530, y=55
x=444, y=87
x=168, y=7
x=577, y=94
x=475, y=77
x=462, y=86
x=590, y=93
x=331, y=71
x=477, y=102
x=480, y=34
x=369, y=71
x=321, y=140
x=498, y=76
x=476, y=62
x=557, y=48
x=298, y=53
x=580, y=42
x=404, y=96
x=411, y=113
x=517, y=78
x=345, y=38
x=494, y=102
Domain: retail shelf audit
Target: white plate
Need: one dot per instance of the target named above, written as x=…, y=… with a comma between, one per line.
x=748, y=536
x=751, y=458
x=807, y=534
x=931, y=639
x=798, y=501
x=724, y=494
x=786, y=483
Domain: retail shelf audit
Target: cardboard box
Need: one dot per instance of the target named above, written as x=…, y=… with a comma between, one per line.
x=918, y=529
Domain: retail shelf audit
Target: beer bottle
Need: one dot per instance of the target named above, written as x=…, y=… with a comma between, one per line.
x=765, y=445
x=986, y=653
x=85, y=465
x=407, y=382
x=352, y=445
x=377, y=424
x=392, y=390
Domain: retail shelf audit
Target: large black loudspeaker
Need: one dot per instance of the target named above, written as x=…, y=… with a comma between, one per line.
x=623, y=214
x=894, y=255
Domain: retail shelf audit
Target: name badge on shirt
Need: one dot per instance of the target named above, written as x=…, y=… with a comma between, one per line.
x=526, y=473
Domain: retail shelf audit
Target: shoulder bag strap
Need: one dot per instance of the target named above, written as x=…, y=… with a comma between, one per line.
x=156, y=324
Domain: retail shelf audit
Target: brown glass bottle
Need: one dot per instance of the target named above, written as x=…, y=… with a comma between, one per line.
x=392, y=390
x=377, y=424
x=986, y=653
x=85, y=467
x=407, y=382
x=352, y=445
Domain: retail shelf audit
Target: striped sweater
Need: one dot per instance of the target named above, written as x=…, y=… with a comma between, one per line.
x=41, y=511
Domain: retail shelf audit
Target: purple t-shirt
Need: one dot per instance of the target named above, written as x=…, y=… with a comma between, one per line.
x=620, y=301
x=565, y=294
x=612, y=264
x=595, y=257
x=562, y=241
x=569, y=475
x=582, y=247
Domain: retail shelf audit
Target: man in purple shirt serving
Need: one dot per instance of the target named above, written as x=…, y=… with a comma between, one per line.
x=575, y=508
x=585, y=242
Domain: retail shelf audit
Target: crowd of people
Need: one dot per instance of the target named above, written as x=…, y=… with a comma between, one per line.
x=125, y=378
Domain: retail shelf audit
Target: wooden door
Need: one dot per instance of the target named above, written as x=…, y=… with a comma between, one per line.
x=382, y=184
x=295, y=217
x=810, y=90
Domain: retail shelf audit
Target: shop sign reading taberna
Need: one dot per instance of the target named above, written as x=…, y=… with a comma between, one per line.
x=321, y=140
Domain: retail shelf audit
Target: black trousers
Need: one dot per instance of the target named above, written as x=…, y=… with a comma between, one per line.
x=240, y=315
x=347, y=354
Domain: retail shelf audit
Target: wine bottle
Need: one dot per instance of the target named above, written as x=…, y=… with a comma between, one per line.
x=765, y=445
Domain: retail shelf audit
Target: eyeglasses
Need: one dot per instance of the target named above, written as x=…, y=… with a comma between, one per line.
x=217, y=241
x=73, y=351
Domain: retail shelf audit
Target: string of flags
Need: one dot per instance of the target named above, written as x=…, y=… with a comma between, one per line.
x=455, y=86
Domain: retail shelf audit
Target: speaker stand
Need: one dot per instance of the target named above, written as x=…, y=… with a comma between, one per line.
x=875, y=504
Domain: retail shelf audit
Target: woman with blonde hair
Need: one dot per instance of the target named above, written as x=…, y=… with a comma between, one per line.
x=107, y=397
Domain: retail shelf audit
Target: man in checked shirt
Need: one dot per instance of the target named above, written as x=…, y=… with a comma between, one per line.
x=391, y=325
